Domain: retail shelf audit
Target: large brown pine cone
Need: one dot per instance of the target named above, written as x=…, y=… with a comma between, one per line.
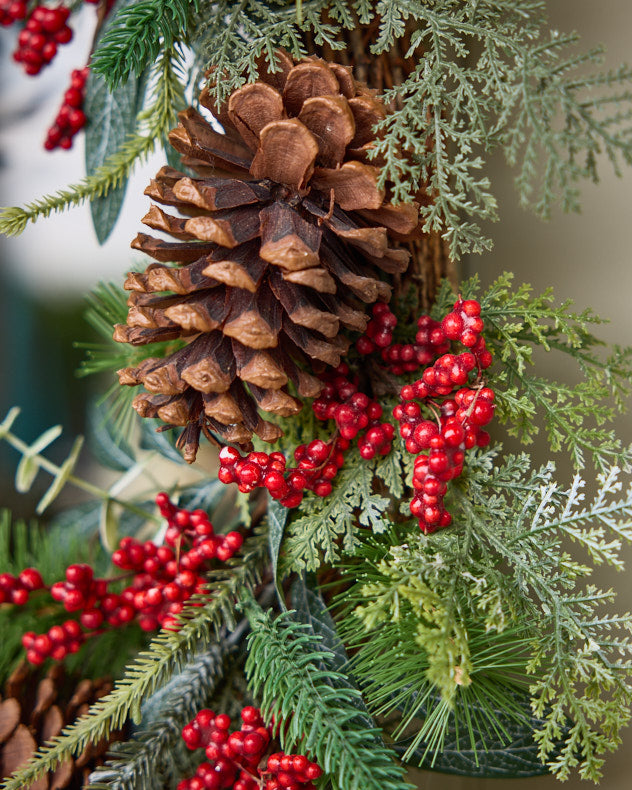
x=281, y=240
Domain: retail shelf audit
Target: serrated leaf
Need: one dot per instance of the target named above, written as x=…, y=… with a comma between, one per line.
x=277, y=519
x=323, y=521
x=108, y=526
x=111, y=118
x=389, y=469
x=61, y=477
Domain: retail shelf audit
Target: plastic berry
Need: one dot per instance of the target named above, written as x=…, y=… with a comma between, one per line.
x=12, y=11
x=379, y=330
x=45, y=29
x=70, y=119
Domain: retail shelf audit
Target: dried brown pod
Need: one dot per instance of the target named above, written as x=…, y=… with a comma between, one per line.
x=281, y=241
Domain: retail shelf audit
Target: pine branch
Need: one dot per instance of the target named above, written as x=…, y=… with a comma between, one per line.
x=145, y=760
x=284, y=670
x=152, y=669
x=138, y=33
x=155, y=121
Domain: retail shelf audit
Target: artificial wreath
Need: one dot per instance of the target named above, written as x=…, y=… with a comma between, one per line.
x=366, y=582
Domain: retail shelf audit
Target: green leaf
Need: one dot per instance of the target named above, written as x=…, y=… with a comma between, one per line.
x=153, y=439
x=8, y=421
x=26, y=473
x=111, y=119
x=310, y=609
x=277, y=519
x=108, y=525
x=61, y=477
x=29, y=465
x=106, y=444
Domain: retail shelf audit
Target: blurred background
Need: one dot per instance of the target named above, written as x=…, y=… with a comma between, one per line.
x=45, y=273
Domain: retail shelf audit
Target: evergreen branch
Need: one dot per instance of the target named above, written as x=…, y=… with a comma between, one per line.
x=494, y=602
x=158, y=119
x=165, y=655
x=284, y=669
x=576, y=660
x=137, y=35
x=149, y=756
x=324, y=521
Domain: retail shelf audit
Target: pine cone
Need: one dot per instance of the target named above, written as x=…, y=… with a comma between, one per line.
x=281, y=241
x=34, y=711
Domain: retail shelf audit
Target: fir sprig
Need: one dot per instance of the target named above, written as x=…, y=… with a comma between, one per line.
x=138, y=33
x=154, y=123
x=150, y=756
x=294, y=681
x=166, y=654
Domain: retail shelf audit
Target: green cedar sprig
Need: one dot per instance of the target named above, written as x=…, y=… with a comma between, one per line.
x=497, y=600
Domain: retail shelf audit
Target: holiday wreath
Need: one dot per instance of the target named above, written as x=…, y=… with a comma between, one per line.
x=367, y=582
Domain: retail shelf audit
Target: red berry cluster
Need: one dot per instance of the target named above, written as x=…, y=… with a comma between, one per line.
x=379, y=330
x=45, y=29
x=430, y=341
x=16, y=589
x=317, y=465
x=11, y=11
x=235, y=759
x=353, y=412
x=458, y=421
x=194, y=527
x=162, y=579
x=70, y=118
x=56, y=644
